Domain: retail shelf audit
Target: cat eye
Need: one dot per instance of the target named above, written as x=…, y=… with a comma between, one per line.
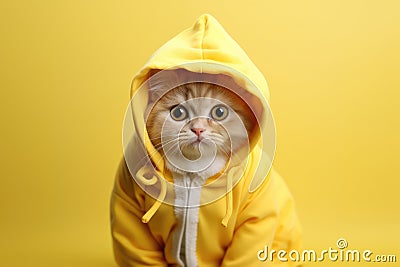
x=219, y=112
x=178, y=113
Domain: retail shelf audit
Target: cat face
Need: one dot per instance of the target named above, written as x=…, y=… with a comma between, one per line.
x=200, y=123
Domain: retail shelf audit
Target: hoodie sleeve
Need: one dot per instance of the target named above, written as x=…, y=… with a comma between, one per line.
x=133, y=243
x=267, y=219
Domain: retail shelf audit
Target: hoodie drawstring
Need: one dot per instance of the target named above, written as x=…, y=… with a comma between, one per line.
x=228, y=212
x=163, y=191
x=229, y=201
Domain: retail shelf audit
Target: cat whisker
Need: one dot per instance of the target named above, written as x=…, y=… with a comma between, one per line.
x=163, y=136
x=151, y=154
x=165, y=143
x=225, y=150
x=214, y=134
x=216, y=140
x=173, y=148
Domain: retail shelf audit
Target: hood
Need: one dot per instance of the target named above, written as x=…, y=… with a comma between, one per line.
x=205, y=42
x=204, y=52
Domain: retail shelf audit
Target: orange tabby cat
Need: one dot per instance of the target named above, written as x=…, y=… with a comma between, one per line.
x=196, y=114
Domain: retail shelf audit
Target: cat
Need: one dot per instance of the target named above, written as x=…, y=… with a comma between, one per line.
x=196, y=185
x=195, y=118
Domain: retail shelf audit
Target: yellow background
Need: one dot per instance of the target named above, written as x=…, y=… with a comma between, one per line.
x=66, y=67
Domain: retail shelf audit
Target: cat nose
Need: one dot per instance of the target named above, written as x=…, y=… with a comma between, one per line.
x=198, y=131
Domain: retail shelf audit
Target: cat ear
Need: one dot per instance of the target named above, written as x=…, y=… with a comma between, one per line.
x=160, y=82
x=252, y=101
x=151, y=85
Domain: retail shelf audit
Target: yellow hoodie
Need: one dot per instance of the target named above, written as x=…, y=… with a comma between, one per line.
x=234, y=221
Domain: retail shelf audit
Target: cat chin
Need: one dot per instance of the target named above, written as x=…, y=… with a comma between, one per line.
x=218, y=164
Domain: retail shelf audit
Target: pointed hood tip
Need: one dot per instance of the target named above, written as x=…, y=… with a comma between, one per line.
x=204, y=20
x=206, y=17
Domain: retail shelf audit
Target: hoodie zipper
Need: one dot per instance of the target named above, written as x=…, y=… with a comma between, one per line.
x=186, y=252
x=182, y=235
